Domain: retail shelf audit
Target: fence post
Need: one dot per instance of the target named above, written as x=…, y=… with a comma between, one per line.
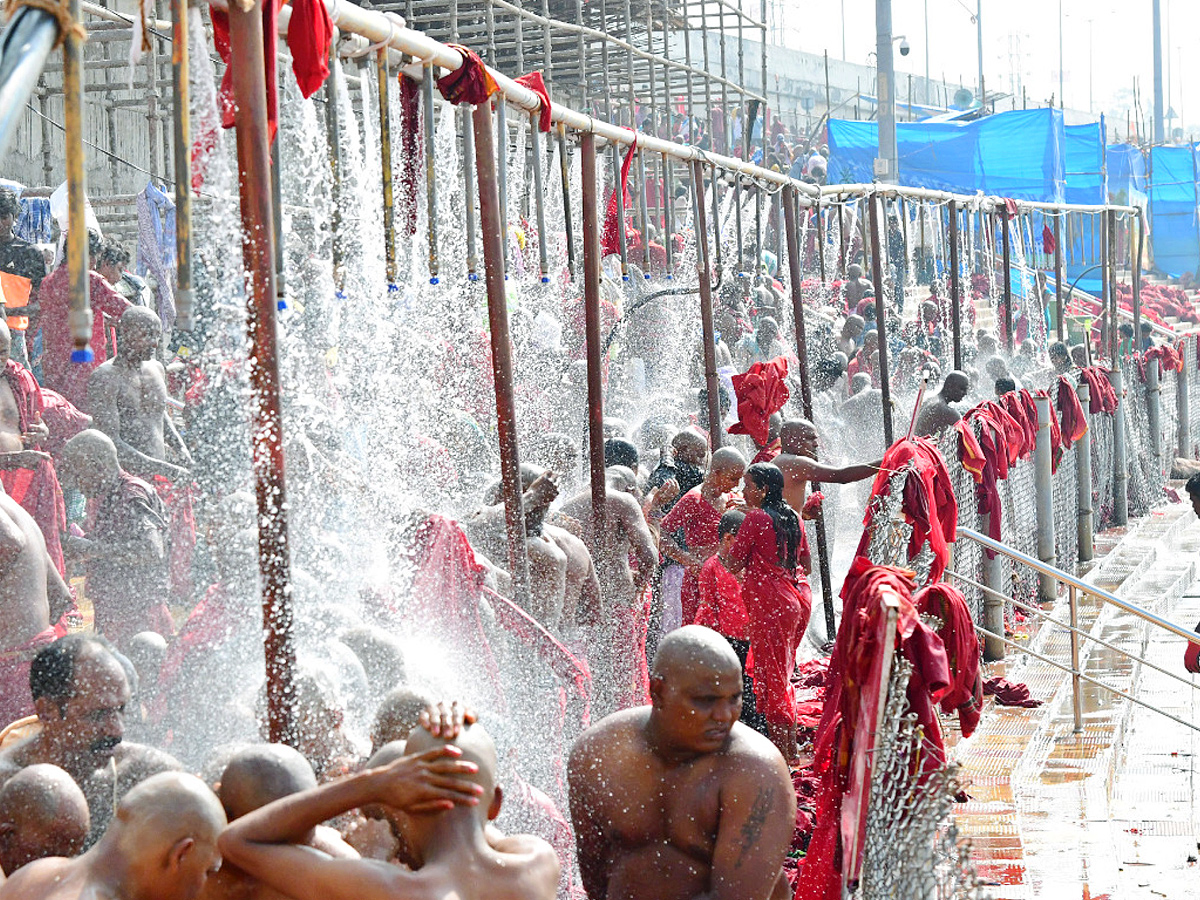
x=1083, y=472
x=1044, y=497
x=1120, y=469
x=1183, y=410
x=1076, y=681
x=1154, y=409
x=993, y=606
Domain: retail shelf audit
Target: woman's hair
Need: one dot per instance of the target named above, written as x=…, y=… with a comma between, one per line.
x=769, y=478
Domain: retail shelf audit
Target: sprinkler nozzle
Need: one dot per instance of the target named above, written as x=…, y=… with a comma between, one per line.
x=280, y=305
x=83, y=355
x=472, y=276
x=545, y=279
x=433, y=279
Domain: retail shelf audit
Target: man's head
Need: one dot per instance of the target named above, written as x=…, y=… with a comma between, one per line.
x=1126, y=330
x=622, y=480
x=956, y=386
x=381, y=655
x=728, y=527
x=1005, y=386
x=42, y=813
x=10, y=211
x=112, y=261
x=859, y=383
x=138, y=334
x=1193, y=489
x=80, y=691
x=261, y=774
x=799, y=438
x=774, y=424
x=164, y=835
x=725, y=469
x=1079, y=355
x=996, y=368
x=854, y=271
x=853, y=327
x=987, y=345
x=477, y=747
x=146, y=651
x=398, y=715
x=689, y=447
x=89, y=462
x=620, y=452
x=1060, y=357
x=695, y=692
x=766, y=333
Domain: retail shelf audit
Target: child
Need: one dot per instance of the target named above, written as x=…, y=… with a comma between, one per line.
x=722, y=610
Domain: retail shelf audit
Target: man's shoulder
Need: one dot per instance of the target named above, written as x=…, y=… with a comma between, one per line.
x=39, y=878
x=750, y=756
x=620, y=728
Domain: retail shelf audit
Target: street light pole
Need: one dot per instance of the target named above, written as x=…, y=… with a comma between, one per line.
x=979, y=34
x=886, y=166
x=927, y=101
x=1091, y=71
x=1062, y=100
x=1156, y=17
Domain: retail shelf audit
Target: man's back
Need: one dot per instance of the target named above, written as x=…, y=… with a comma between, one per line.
x=52, y=879
x=24, y=608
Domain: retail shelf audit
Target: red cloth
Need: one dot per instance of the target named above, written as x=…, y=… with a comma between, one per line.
x=1048, y=244
x=15, y=700
x=181, y=531
x=721, y=606
x=1010, y=693
x=225, y=99
x=957, y=632
x=68, y=378
x=310, y=31
x=1191, y=655
x=1070, y=412
x=778, y=605
x=471, y=83
x=63, y=419
x=970, y=454
x=535, y=83
x=26, y=392
x=609, y=239
x=1014, y=404
x=768, y=453
x=1102, y=396
x=698, y=520
x=761, y=390
x=39, y=494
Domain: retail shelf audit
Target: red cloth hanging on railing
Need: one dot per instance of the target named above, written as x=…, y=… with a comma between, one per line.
x=1048, y=243
x=220, y=23
x=1103, y=396
x=761, y=391
x=537, y=84
x=970, y=454
x=470, y=83
x=1072, y=421
x=1014, y=404
x=309, y=32
x=609, y=240
x=957, y=632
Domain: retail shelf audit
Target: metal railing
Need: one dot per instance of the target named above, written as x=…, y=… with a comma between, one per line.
x=1074, y=586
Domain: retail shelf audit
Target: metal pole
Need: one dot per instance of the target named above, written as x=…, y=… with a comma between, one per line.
x=1076, y=694
x=880, y=319
x=888, y=165
x=706, y=314
x=277, y=220
x=794, y=277
x=80, y=315
x=591, y=308
x=1083, y=472
x=181, y=107
x=979, y=36
x=641, y=214
x=385, y=151
x=1156, y=27
x=1044, y=496
x=1111, y=247
x=27, y=42
x=818, y=215
x=1137, y=272
x=469, y=194
x=254, y=179
x=1183, y=410
x=430, y=173
x=564, y=171
x=1105, y=289
x=668, y=201
x=539, y=199
x=502, y=363
x=1154, y=409
x=1006, y=245
x=1120, y=469
x=1061, y=304
x=955, y=292
x=993, y=606
x=501, y=150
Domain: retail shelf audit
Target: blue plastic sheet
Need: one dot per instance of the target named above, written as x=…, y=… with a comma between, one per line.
x=1173, y=197
x=1085, y=158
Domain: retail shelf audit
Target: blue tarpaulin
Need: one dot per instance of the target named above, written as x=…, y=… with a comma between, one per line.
x=1018, y=154
x=1084, y=163
x=1173, y=196
x=1127, y=182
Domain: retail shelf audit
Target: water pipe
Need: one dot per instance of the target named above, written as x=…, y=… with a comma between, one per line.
x=333, y=136
x=1060, y=311
x=79, y=317
x=469, y=190
x=27, y=43
x=1120, y=466
x=385, y=155
x=430, y=174
x=880, y=320
x=1083, y=478
x=181, y=123
x=591, y=328
x=619, y=193
x=1044, y=496
x=706, y=311
x=564, y=171
x=641, y=213
x=539, y=198
x=716, y=223
x=1006, y=251
x=737, y=221
x=668, y=203
x=502, y=179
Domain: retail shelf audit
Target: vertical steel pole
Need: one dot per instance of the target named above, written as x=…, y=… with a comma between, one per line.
x=1076, y=681
x=1183, y=410
x=1137, y=276
x=1044, y=497
x=955, y=288
x=591, y=308
x=1111, y=247
x=819, y=220
x=430, y=172
x=993, y=603
x=880, y=319
x=501, y=147
x=1154, y=409
x=706, y=314
x=181, y=120
x=794, y=278
x=1105, y=291
x=668, y=201
x=385, y=151
x=539, y=198
x=79, y=317
x=641, y=214
x=502, y=364
x=1006, y=244
x=469, y=193
x=1120, y=467
x=1083, y=473
x=254, y=182
x=1060, y=301
x=564, y=170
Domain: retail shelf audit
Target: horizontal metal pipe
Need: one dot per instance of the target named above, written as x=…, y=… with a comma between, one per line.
x=970, y=201
x=1039, y=566
x=28, y=41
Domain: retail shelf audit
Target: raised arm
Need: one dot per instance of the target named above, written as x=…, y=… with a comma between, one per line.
x=633, y=523
x=815, y=471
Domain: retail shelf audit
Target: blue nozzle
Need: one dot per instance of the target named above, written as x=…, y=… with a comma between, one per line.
x=83, y=356
x=433, y=279
x=670, y=277
x=624, y=277
x=339, y=295
x=393, y=288
x=545, y=279
x=646, y=276
x=280, y=305
x=472, y=276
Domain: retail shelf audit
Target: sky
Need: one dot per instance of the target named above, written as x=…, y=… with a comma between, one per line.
x=1021, y=47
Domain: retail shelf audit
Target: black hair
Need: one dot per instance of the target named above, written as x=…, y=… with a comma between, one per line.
x=52, y=672
x=1004, y=386
x=1193, y=485
x=769, y=478
x=114, y=253
x=730, y=522
x=618, y=452
x=1058, y=348
x=9, y=204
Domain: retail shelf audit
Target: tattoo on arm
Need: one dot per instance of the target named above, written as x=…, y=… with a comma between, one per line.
x=753, y=826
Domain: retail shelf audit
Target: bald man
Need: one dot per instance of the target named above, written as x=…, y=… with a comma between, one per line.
x=253, y=778
x=447, y=792
x=799, y=464
x=936, y=413
x=42, y=813
x=162, y=844
x=678, y=800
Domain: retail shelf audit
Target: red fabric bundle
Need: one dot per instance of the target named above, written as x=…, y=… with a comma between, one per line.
x=1048, y=244
x=470, y=83
x=39, y=494
x=1191, y=656
x=1014, y=404
x=309, y=32
x=610, y=242
x=220, y=23
x=535, y=83
x=761, y=390
x=1103, y=398
x=965, y=695
x=1010, y=693
x=970, y=454
x=1070, y=413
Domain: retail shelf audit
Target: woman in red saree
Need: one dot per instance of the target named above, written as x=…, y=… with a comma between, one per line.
x=770, y=548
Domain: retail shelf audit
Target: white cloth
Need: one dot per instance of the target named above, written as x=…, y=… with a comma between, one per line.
x=672, y=595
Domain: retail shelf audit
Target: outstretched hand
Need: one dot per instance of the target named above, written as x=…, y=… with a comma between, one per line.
x=428, y=782
x=446, y=723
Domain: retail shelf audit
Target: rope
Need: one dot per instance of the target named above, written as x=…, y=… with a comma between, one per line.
x=67, y=25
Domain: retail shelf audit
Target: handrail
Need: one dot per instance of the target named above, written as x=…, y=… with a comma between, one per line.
x=1070, y=580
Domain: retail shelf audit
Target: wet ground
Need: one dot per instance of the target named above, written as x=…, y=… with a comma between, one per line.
x=1110, y=811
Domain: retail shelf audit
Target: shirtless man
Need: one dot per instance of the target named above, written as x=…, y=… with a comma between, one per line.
x=617, y=648
x=679, y=800
x=33, y=596
x=162, y=844
x=254, y=777
x=936, y=413
x=799, y=464
x=80, y=691
x=438, y=786
x=16, y=440
x=42, y=813
x=128, y=397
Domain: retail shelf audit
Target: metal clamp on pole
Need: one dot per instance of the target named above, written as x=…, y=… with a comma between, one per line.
x=1083, y=473
x=1044, y=497
x=1120, y=465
